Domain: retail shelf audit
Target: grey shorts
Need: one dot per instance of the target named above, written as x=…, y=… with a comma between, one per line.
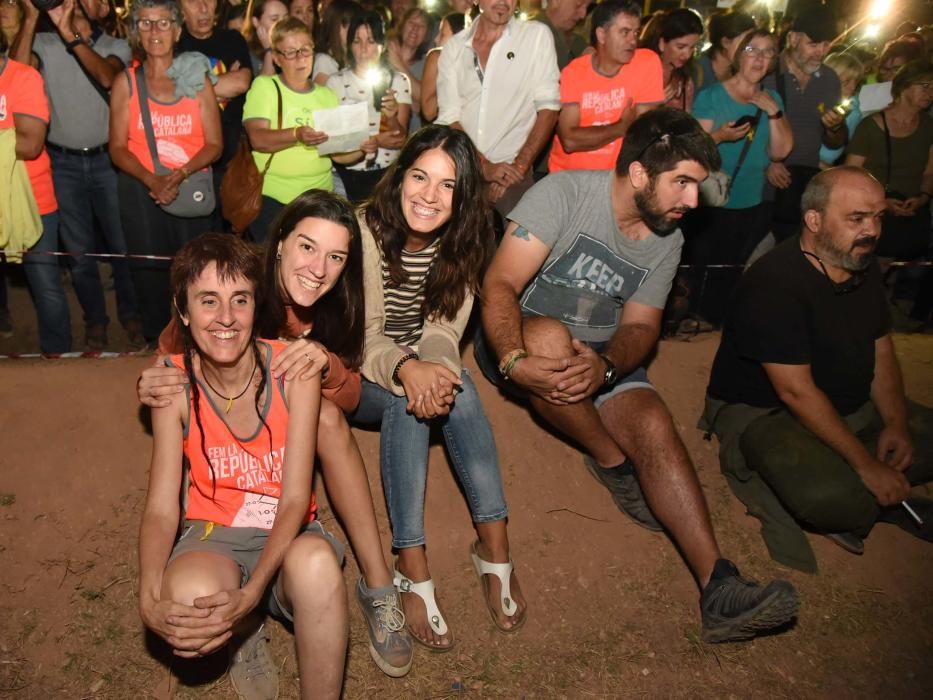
x=636, y=379
x=244, y=545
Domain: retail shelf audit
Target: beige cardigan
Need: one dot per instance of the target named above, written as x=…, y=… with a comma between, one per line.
x=440, y=339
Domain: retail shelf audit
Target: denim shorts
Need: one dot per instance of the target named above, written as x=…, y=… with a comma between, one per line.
x=244, y=545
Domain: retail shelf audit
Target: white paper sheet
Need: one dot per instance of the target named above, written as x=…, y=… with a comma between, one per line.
x=346, y=126
x=873, y=98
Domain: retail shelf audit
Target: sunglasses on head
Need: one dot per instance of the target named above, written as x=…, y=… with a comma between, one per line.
x=683, y=128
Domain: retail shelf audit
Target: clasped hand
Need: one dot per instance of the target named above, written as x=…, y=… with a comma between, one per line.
x=562, y=381
x=429, y=387
x=199, y=629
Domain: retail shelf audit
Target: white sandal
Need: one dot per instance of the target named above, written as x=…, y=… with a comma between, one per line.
x=504, y=573
x=436, y=621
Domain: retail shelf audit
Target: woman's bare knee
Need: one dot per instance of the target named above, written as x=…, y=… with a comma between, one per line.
x=311, y=571
x=197, y=575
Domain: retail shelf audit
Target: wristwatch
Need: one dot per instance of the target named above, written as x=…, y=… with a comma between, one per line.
x=776, y=115
x=70, y=46
x=612, y=374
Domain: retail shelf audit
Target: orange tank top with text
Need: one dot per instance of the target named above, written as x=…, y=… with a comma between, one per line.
x=177, y=126
x=247, y=470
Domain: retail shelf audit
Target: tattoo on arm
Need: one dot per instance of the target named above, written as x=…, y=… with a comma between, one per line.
x=521, y=232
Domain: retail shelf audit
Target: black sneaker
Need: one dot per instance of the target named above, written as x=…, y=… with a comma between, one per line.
x=626, y=492
x=735, y=609
x=853, y=544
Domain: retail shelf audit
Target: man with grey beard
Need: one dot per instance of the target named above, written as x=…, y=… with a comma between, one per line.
x=806, y=394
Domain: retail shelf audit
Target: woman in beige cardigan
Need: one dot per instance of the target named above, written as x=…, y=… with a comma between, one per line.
x=427, y=234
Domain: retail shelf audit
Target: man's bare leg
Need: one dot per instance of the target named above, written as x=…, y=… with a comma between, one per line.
x=638, y=424
x=642, y=425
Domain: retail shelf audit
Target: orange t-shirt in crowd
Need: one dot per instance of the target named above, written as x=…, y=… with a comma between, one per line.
x=600, y=100
x=177, y=126
x=247, y=479
x=22, y=91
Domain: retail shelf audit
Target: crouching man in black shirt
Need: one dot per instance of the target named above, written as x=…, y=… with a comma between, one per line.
x=806, y=394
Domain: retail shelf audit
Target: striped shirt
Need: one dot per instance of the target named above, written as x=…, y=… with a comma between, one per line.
x=404, y=319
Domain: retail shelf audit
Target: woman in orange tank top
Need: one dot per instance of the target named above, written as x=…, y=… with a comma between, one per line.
x=250, y=541
x=186, y=130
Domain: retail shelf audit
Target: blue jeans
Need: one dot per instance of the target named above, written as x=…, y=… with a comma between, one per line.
x=403, y=453
x=45, y=284
x=86, y=189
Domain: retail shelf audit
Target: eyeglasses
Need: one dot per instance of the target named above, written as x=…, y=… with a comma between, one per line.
x=758, y=53
x=292, y=54
x=147, y=25
x=684, y=128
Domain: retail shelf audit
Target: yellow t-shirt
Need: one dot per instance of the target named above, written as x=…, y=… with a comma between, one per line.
x=299, y=167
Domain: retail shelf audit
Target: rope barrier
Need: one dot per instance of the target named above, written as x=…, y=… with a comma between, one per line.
x=131, y=256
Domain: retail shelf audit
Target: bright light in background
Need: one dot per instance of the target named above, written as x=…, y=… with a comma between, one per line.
x=872, y=31
x=879, y=8
x=523, y=16
x=374, y=77
x=429, y=5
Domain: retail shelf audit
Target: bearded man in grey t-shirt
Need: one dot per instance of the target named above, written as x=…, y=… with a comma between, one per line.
x=572, y=308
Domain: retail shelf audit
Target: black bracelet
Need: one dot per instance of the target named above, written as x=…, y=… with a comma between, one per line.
x=70, y=46
x=398, y=367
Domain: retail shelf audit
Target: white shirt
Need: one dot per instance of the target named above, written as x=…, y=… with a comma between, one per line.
x=497, y=108
x=350, y=88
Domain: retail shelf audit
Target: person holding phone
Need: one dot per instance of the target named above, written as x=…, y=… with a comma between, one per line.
x=368, y=78
x=748, y=125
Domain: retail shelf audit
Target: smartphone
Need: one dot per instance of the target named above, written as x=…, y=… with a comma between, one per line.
x=742, y=121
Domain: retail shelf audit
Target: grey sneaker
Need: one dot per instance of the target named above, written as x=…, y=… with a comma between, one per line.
x=626, y=492
x=735, y=609
x=389, y=643
x=252, y=670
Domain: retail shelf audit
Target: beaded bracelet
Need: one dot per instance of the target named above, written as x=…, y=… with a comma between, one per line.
x=398, y=367
x=507, y=363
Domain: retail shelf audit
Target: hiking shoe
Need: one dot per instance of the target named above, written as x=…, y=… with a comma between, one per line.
x=853, y=544
x=389, y=643
x=135, y=340
x=735, y=609
x=95, y=338
x=626, y=492
x=6, y=323
x=252, y=671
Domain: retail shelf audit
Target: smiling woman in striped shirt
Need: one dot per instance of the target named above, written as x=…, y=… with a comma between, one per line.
x=427, y=235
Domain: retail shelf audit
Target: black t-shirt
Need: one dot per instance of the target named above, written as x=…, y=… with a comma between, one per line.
x=786, y=311
x=223, y=47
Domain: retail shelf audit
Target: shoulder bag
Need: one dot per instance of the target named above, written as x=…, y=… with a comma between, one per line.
x=196, y=193
x=241, y=186
x=715, y=189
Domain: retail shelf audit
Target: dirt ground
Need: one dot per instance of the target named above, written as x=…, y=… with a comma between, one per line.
x=613, y=609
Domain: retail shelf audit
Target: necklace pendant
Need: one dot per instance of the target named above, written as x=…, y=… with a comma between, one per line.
x=229, y=405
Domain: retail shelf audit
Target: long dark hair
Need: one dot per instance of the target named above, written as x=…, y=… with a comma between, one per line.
x=337, y=16
x=233, y=258
x=377, y=29
x=337, y=317
x=465, y=241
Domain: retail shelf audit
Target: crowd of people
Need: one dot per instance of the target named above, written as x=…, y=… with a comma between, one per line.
x=557, y=171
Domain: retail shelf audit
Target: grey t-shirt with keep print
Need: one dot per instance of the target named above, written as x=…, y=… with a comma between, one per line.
x=592, y=269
